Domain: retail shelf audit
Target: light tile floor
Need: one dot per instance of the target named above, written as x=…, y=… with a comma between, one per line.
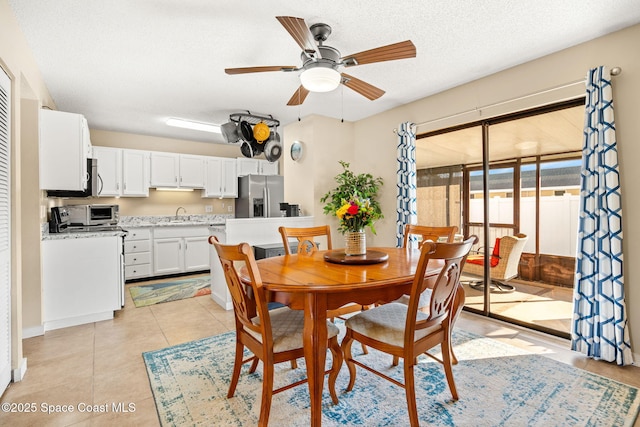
x=99, y=365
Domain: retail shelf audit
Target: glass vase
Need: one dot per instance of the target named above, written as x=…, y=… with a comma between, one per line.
x=355, y=243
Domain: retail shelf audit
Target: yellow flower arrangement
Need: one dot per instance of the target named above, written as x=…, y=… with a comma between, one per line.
x=355, y=214
x=353, y=202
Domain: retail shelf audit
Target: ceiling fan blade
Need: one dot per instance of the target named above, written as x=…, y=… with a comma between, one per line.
x=246, y=70
x=300, y=33
x=401, y=50
x=363, y=88
x=299, y=96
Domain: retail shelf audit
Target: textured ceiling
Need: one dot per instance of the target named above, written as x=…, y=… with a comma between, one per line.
x=127, y=65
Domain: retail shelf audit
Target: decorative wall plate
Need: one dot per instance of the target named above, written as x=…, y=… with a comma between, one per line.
x=296, y=151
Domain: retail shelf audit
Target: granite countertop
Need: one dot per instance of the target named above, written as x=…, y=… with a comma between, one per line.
x=172, y=221
x=80, y=235
x=141, y=222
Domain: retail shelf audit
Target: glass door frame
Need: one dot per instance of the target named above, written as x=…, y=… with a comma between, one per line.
x=486, y=166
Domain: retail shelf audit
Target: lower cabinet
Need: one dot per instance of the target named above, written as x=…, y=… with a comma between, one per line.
x=180, y=250
x=137, y=253
x=82, y=280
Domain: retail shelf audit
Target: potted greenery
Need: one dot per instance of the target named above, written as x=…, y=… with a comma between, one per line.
x=354, y=203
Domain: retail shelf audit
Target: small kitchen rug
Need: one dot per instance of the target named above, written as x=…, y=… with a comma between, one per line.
x=498, y=385
x=156, y=293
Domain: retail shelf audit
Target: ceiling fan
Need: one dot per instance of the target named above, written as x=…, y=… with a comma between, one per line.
x=320, y=63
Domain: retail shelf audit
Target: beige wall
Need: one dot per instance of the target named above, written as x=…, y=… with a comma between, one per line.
x=325, y=142
x=28, y=94
x=568, y=66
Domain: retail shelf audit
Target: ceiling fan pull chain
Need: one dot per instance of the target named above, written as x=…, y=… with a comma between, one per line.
x=299, y=102
x=342, y=100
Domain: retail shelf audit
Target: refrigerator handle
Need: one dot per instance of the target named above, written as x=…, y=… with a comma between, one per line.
x=267, y=204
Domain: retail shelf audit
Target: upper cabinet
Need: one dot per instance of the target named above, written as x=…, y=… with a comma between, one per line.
x=122, y=172
x=109, y=171
x=65, y=146
x=135, y=173
x=268, y=168
x=248, y=166
x=177, y=170
x=191, y=171
x=221, y=178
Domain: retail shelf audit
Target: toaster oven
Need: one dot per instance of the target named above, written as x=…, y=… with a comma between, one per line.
x=93, y=214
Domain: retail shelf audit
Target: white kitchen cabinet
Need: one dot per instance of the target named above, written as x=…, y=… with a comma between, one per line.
x=196, y=253
x=82, y=280
x=168, y=256
x=122, y=172
x=268, y=168
x=180, y=249
x=165, y=168
x=174, y=170
x=248, y=166
x=191, y=171
x=135, y=173
x=65, y=146
x=109, y=171
x=137, y=253
x=221, y=178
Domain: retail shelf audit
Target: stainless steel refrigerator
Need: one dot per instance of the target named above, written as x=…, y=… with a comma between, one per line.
x=259, y=196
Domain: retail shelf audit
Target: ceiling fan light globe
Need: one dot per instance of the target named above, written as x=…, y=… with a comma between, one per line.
x=320, y=79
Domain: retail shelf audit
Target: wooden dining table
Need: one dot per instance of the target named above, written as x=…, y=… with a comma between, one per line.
x=311, y=283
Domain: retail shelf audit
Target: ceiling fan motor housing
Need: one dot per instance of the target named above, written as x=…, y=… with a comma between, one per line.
x=320, y=32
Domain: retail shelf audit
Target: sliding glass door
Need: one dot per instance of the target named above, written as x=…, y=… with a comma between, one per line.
x=514, y=182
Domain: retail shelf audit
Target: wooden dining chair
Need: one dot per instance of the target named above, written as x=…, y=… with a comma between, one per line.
x=307, y=245
x=433, y=234
x=403, y=330
x=273, y=336
x=306, y=237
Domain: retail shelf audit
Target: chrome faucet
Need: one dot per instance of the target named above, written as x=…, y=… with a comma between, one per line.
x=178, y=210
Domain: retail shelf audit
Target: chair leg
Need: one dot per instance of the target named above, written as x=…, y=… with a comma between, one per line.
x=294, y=364
x=237, y=365
x=458, y=304
x=410, y=392
x=364, y=349
x=396, y=359
x=347, y=341
x=336, y=364
x=267, y=392
x=448, y=371
x=254, y=365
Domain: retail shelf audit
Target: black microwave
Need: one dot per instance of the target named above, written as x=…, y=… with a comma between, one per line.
x=93, y=184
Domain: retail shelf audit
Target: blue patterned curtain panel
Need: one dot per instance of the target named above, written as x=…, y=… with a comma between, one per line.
x=600, y=328
x=406, y=179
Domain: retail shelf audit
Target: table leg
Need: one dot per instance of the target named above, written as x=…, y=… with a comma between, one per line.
x=315, y=351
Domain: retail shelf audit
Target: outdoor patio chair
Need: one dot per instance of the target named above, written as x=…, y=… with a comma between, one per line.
x=504, y=262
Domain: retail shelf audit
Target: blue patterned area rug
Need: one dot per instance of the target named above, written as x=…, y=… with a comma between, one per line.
x=156, y=293
x=498, y=385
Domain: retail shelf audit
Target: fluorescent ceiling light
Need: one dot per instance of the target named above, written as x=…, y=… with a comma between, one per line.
x=320, y=79
x=173, y=189
x=188, y=124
